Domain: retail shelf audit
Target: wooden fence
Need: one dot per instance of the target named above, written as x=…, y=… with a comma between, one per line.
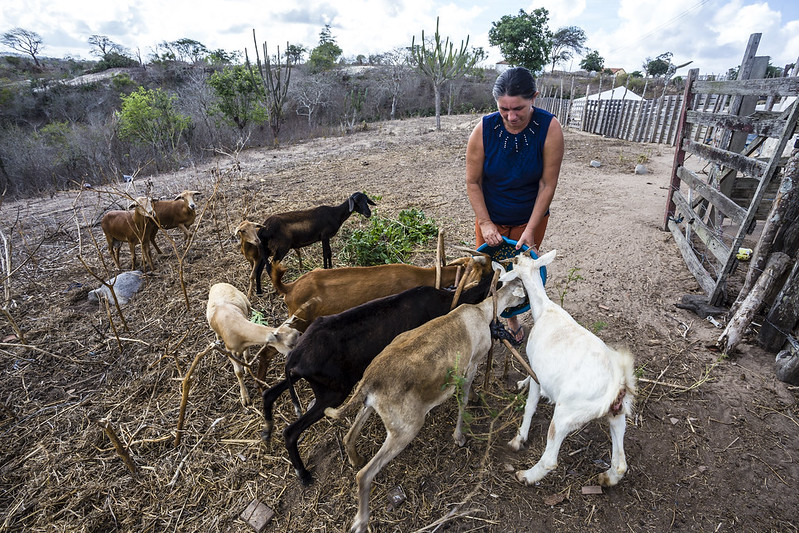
x=650, y=121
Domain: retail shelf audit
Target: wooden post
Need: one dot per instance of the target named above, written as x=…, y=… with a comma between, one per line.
x=781, y=319
x=679, y=153
x=787, y=196
x=784, y=312
x=733, y=334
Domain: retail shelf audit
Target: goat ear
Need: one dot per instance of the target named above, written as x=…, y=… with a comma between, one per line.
x=509, y=275
x=547, y=258
x=369, y=201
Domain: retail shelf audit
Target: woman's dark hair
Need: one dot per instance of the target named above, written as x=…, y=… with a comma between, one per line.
x=517, y=81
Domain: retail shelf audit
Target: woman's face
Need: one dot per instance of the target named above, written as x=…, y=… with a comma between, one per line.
x=515, y=111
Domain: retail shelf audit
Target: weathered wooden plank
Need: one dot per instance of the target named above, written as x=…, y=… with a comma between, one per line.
x=716, y=247
x=745, y=165
x=775, y=87
x=704, y=279
x=730, y=209
x=763, y=127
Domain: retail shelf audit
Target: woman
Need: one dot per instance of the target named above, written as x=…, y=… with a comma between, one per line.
x=513, y=161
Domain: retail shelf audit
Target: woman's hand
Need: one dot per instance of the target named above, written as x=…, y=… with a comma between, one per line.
x=527, y=239
x=490, y=233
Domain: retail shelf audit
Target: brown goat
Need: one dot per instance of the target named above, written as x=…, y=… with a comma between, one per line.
x=339, y=289
x=178, y=213
x=135, y=226
x=247, y=232
x=323, y=292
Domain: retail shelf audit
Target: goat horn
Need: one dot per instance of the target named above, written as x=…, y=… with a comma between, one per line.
x=461, y=284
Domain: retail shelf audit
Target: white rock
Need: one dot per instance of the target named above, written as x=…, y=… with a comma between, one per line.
x=641, y=169
x=596, y=164
x=125, y=286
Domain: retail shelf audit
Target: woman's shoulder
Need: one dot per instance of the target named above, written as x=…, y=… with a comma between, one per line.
x=491, y=118
x=539, y=113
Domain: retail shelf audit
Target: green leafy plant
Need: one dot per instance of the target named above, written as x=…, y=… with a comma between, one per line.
x=598, y=326
x=258, y=317
x=388, y=241
x=572, y=278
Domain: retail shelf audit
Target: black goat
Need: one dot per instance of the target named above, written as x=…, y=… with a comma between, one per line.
x=335, y=350
x=295, y=229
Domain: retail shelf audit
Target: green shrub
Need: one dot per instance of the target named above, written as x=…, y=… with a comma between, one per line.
x=388, y=241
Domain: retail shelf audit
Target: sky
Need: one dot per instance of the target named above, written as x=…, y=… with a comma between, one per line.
x=712, y=34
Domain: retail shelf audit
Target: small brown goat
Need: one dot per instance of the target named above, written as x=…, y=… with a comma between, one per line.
x=228, y=314
x=247, y=232
x=135, y=226
x=178, y=213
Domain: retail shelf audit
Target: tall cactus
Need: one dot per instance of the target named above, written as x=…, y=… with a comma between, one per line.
x=271, y=77
x=441, y=63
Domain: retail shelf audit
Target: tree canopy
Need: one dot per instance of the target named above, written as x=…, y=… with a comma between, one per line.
x=22, y=40
x=593, y=61
x=439, y=62
x=565, y=42
x=524, y=39
x=239, y=97
x=324, y=56
x=660, y=66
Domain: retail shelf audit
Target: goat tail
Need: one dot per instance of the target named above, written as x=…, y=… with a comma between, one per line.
x=623, y=404
x=337, y=413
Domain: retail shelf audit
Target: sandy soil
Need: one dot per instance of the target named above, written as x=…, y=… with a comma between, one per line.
x=712, y=446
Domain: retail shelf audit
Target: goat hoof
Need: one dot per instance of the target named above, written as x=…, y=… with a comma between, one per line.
x=521, y=477
x=516, y=444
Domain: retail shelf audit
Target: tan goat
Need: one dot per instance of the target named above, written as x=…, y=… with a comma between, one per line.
x=228, y=313
x=419, y=370
x=134, y=226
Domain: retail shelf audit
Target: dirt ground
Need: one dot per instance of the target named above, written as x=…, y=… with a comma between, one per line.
x=712, y=447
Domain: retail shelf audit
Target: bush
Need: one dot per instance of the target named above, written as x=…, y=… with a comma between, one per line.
x=388, y=241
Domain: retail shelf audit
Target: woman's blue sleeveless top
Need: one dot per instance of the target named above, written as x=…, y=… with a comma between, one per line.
x=513, y=167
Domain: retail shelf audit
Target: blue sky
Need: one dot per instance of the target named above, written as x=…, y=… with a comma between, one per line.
x=711, y=33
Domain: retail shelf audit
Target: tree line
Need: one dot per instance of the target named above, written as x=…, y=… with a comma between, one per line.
x=185, y=102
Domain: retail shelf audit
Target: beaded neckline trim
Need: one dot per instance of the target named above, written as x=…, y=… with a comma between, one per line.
x=514, y=139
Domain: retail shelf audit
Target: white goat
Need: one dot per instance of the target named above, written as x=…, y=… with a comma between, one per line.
x=579, y=373
x=228, y=315
x=417, y=371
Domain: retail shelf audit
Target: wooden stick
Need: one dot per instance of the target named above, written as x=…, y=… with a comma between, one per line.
x=490, y=357
x=185, y=386
x=120, y=448
x=461, y=284
x=521, y=360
